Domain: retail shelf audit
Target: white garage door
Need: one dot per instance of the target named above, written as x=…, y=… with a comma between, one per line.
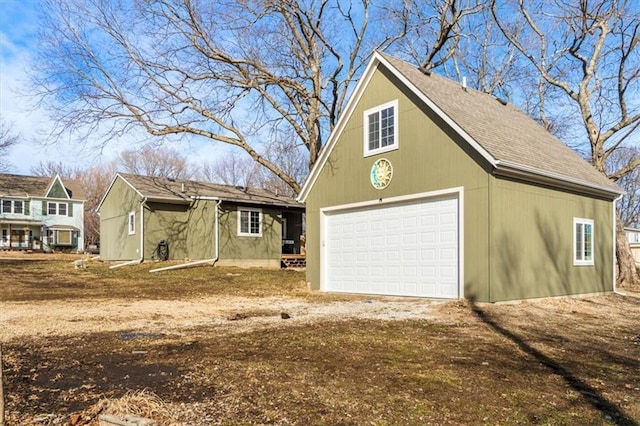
x=408, y=249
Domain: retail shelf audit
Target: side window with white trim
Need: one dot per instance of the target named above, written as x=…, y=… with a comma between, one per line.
x=249, y=222
x=132, y=223
x=583, y=242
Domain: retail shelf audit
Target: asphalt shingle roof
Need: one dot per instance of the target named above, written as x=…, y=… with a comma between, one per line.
x=505, y=132
x=34, y=186
x=162, y=188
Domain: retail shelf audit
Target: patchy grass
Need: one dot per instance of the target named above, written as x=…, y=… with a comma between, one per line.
x=556, y=362
x=50, y=279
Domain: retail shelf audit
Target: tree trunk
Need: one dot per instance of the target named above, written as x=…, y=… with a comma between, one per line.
x=628, y=275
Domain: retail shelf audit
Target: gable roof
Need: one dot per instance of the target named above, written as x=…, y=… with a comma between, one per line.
x=165, y=190
x=36, y=186
x=513, y=143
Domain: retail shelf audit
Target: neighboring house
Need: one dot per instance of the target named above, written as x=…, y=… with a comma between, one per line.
x=144, y=218
x=428, y=188
x=39, y=213
x=633, y=236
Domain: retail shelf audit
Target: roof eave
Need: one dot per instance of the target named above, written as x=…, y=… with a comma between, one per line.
x=167, y=200
x=529, y=174
x=248, y=201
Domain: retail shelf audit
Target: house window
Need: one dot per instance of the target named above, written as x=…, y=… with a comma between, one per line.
x=381, y=128
x=582, y=241
x=59, y=209
x=64, y=238
x=13, y=206
x=132, y=223
x=249, y=222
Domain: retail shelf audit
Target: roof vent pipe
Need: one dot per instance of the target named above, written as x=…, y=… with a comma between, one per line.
x=183, y=190
x=464, y=83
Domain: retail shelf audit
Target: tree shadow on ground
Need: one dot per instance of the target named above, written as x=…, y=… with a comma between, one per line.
x=592, y=395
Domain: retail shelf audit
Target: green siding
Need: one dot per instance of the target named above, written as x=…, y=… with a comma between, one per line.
x=188, y=229
x=235, y=247
x=428, y=159
x=57, y=191
x=517, y=238
x=532, y=242
x=115, y=242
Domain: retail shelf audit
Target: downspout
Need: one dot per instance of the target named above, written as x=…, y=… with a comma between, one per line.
x=201, y=262
x=141, y=259
x=614, y=245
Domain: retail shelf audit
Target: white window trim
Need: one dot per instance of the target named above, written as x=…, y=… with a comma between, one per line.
x=365, y=129
x=57, y=208
x=12, y=206
x=131, y=224
x=576, y=260
x=249, y=234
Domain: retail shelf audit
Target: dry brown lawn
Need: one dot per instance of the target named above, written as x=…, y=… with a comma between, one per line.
x=209, y=346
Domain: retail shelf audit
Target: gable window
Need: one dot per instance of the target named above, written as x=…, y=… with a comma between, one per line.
x=249, y=222
x=582, y=241
x=381, y=128
x=132, y=223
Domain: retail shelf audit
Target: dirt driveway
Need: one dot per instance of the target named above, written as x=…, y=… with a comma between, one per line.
x=225, y=346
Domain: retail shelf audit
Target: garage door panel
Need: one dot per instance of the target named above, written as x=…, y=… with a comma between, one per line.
x=409, y=249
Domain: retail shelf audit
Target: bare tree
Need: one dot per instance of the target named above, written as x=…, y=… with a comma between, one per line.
x=586, y=53
x=152, y=160
x=53, y=168
x=629, y=205
x=236, y=168
x=232, y=168
x=435, y=29
x=233, y=71
x=7, y=140
x=94, y=182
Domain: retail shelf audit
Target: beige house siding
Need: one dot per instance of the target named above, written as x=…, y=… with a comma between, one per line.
x=532, y=243
x=114, y=215
x=345, y=176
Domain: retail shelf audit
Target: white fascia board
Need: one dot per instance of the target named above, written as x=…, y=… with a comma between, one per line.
x=113, y=181
x=59, y=179
x=337, y=130
x=532, y=174
x=424, y=98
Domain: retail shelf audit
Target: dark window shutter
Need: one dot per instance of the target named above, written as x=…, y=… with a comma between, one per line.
x=70, y=209
x=45, y=209
x=26, y=208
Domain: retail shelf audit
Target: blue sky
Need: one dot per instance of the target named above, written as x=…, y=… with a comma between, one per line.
x=18, y=25
x=18, y=28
